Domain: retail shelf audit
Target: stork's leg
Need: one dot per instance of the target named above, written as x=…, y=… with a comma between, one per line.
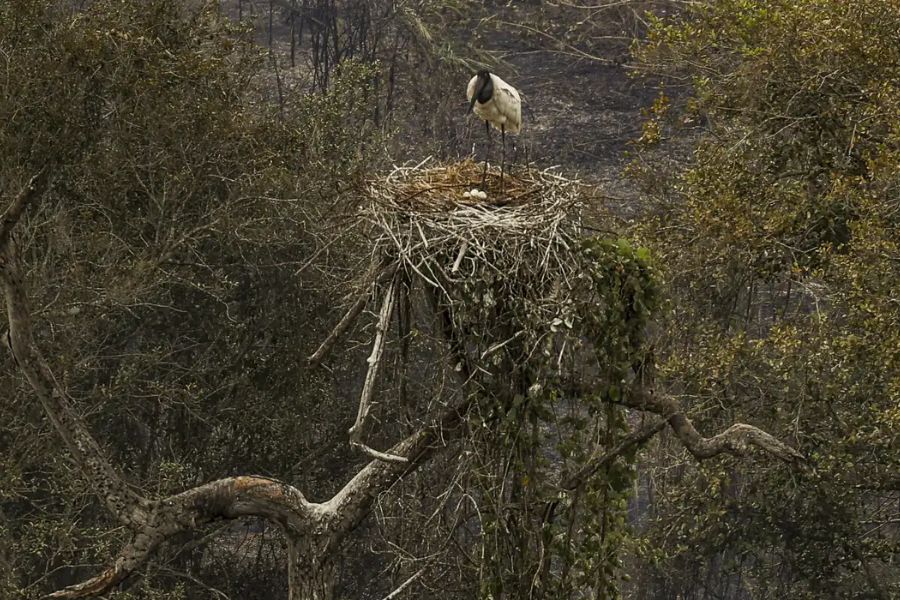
x=487, y=129
x=515, y=159
x=502, y=155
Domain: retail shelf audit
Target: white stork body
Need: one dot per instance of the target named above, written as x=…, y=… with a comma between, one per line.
x=503, y=109
x=498, y=104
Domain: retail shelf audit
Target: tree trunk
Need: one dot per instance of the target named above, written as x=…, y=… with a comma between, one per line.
x=311, y=572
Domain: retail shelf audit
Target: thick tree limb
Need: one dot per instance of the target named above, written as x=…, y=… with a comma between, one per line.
x=735, y=440
x=33, y=189
x=228, y=498
x=352, y=503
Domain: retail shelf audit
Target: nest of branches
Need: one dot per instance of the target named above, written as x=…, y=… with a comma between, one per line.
x=525, y=301
x=427, y=223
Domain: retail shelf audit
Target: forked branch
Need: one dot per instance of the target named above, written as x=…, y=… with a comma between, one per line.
x=368, y=391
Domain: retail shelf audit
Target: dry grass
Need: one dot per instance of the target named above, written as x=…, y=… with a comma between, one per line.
x=442, y=187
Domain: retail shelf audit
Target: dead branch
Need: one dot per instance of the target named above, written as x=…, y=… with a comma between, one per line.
x=374, y=360
x=378, y=274
x=459, y=257
x=340, y=329
x=371, y=452
x=396, y=593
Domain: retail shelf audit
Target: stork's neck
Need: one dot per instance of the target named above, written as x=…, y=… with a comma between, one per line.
x=486, y=92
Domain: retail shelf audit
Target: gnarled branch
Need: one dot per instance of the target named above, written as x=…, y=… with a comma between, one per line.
x=735, y=440
x=228, y=498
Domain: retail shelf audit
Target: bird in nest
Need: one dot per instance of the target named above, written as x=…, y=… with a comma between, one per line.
x=498, y=104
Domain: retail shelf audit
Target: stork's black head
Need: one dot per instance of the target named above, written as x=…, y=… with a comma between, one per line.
x=484, y=89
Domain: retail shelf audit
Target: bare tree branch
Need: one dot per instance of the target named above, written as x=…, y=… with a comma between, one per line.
x=377, y=454
x=34, y=188
x=374, y=360
x=348, y=319
x=598, y=460
x=735, y=440
x=365, y=398
x=405, y=584
x=340, y=329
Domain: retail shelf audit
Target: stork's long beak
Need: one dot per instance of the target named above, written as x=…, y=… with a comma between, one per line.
x=472, y=102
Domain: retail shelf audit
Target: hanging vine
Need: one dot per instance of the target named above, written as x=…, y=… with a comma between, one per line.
x=546, y=327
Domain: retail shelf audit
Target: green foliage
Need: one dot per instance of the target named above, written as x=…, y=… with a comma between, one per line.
x=556, y=418
x=780, y=249
x=623, y=277
x=162, y=266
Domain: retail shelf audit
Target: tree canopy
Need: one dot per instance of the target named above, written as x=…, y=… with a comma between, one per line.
x=211, y=262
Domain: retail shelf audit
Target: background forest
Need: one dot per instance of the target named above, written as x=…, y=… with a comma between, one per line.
x=192, y=175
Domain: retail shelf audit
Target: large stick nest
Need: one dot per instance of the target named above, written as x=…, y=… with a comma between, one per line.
x=511, y=252
x=422, y=215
